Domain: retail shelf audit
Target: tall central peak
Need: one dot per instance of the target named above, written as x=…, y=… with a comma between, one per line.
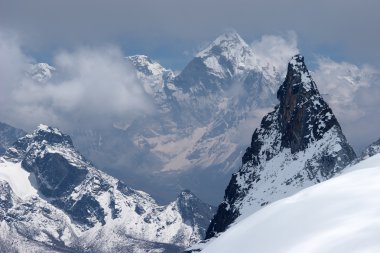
x=227, y=42
x=213, y=68
x=298, y=80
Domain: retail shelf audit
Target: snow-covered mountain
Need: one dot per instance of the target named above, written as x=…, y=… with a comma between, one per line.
x=297, y=145
x=41, y=72
x=53, y=199
x=8, y=135
x=196, y=132
x=339, y=215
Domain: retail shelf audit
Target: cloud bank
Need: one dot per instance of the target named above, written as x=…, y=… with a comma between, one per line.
x=275, y=50
x=353, y=93
x=90, y=87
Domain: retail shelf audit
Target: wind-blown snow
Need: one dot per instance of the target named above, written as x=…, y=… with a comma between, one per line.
x=19, y=179
x=338, y=215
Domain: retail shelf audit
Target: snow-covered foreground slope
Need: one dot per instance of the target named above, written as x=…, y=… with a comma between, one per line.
x=338, y=215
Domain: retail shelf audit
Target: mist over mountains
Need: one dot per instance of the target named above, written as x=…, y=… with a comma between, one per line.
x=157, y=128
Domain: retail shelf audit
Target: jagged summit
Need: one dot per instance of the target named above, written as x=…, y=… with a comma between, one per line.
x=226, y=42
x=303, y=114
x=298, y=79
x=44, y=130
x=44, y=136
x=297, y=145
x=224, y=60
x=146, y=65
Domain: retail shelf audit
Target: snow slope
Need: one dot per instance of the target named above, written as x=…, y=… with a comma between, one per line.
x=338, y=215
x=19, y=179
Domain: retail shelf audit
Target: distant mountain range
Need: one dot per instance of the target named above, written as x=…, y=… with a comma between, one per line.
x=199, y=128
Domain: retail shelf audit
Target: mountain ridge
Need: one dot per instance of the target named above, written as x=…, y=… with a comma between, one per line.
x=72, y=204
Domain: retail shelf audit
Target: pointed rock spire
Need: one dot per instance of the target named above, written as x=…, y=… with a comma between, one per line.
x=303, y=114
x=297, y=145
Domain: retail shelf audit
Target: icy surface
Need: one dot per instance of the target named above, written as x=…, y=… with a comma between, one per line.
x=338, y=215
x=21, y=181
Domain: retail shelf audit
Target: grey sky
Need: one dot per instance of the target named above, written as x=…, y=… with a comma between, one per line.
x=344, y=29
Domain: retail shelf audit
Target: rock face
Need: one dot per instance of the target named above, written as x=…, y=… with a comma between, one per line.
x=297, y=145
x=52, y=198
x=8, y=135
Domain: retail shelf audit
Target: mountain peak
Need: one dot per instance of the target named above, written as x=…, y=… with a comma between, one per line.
x=227, y=42
x=47, y=129
x=43, y=136
x=297, y=145
x=49, y=134
x=41, y=72
x=229, y=37
x=146, y=65
x=298, y=77
x=227, y=57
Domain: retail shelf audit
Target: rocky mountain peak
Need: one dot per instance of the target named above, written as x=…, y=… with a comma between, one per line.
x=227, y=57
x=298, y=81
x=50, y=135
x=40, y=139
x=297, y=145
x=227, y=44
x=146, y=65
x=303, y=114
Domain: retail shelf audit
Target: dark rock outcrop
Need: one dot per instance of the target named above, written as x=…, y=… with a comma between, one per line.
x=297, y=145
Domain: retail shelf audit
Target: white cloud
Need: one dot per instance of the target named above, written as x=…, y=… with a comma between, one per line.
x=276, y=50
x=353, y=93
x=340, y=83
x=91, y=87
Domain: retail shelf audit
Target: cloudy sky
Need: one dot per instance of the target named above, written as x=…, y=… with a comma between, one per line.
x=338, y=37
x=171, y=30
